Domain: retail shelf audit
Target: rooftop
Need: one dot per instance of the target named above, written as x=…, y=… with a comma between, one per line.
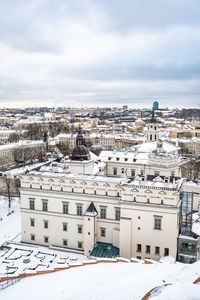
x=105, y=250
x=158, y=182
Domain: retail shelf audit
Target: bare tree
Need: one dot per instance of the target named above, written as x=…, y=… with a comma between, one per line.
x=191, y=169
x=1, y=162
x=17, y=155
x=13, y=138
x=64, y=147
x=8, y=186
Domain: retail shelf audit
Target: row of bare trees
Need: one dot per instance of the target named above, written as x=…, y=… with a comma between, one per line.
x=28, y=154
x=37, y=131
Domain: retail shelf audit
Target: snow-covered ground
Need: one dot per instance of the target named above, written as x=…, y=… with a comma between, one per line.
x=21, y=170
x=10, y=225
x=111, y=281
x=18, y=259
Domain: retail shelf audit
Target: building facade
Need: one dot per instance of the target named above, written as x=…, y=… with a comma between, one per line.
x=78, y=204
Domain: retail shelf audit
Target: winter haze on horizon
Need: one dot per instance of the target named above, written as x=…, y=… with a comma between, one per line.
x=90, y=52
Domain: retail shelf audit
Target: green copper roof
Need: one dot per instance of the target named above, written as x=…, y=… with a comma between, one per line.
x=105, y=250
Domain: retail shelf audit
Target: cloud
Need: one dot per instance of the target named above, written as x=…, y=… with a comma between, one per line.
x=64, y=52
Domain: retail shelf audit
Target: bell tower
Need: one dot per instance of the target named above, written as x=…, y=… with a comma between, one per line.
x=152, y=133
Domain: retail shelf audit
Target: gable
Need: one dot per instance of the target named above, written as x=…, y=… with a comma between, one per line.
x=83, y=183
x=148, y=192
x=72, y=182
x=50, y=180
x=134, y=191
x=162, y=193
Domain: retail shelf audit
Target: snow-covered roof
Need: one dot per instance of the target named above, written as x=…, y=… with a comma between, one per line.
x=22, y=143
x=149, y=147
x=152, y=181
x=73, y=176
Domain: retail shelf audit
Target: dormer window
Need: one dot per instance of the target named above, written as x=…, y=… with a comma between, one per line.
x=126, y=159
x=166, y=179
x=117, y=158
x=109, y=158
x=134, y=160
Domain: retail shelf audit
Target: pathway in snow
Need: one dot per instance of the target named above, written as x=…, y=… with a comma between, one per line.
x=17, y=259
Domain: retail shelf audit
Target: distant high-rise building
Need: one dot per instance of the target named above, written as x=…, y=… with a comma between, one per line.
x=155, y=105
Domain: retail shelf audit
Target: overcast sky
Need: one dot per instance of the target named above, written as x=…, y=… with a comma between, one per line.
x=99, y=52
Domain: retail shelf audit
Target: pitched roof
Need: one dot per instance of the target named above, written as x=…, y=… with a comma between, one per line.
x=91, y=210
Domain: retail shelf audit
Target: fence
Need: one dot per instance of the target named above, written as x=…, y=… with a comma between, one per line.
x=7, y=283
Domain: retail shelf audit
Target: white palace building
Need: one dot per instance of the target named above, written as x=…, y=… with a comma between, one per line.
x=129, y=203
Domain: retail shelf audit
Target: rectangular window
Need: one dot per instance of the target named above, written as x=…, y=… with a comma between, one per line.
x=64, y=226
x=65, y=208
x=156, y=173
x=148, y=249
x=32, y=222
x=103, y=232
x=166, y=252
x=80, y=228
x=64, y=242
x=132, y=172
x=46, y=224
x=157, y=250
x=114, y=171
x=44, y=205
x=157, y=223
x=139, y=248
x=117, y=213
x=46, y=239
x=32, y=237
x=142, y=172
x=79, y=209
x=80, y=244
x=32, y=204
x=103, y=213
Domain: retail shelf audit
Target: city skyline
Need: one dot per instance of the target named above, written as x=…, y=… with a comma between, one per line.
x=99, y=53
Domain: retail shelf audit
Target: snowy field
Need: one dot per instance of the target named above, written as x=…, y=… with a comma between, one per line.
x=110, y=281
x=113, y=281
x=10, y=225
